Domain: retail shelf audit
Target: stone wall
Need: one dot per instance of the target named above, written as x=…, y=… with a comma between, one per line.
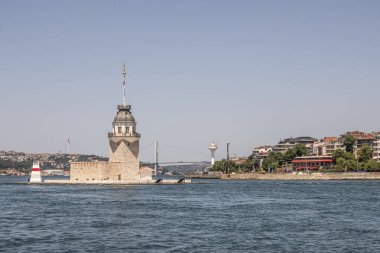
x=103, y=171
x=87, y=171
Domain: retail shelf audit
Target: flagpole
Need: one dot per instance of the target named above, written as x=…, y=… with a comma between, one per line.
x=124, y=73
x=68, y=146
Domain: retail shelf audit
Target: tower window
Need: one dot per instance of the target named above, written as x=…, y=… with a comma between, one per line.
x=119, y=130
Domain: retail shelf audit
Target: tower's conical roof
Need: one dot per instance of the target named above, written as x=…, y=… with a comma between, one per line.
x=124, y=116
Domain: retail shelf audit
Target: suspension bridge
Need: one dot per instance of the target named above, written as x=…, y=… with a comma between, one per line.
x=156, y=164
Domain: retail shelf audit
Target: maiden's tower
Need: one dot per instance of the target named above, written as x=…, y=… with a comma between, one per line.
x=123, y=165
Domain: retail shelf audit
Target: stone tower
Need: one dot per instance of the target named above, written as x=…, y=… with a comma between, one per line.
x=124, y=140
x=123, y=165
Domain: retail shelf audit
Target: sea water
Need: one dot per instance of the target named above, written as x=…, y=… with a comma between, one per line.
x=209, y=216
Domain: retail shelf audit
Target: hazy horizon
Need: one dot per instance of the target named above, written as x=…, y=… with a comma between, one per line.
x=245, y=72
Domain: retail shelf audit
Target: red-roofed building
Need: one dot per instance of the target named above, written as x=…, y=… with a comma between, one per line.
x=327, y=146
x=361, y=139
x=312, y=162
x=330, y=139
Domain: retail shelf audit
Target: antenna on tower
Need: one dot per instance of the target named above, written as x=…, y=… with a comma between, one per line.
x=124, y=74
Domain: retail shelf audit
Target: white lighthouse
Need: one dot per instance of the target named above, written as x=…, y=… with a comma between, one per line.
x=212, y=147
x=36, y=173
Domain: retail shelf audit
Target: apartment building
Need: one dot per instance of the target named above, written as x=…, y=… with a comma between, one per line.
x=376, y=146
x=288, y=143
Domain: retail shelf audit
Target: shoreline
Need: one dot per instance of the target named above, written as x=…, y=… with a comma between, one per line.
x=100, y=182
x=301, y=176
x=304, y=176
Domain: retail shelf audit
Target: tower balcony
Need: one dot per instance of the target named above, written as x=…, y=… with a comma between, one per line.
x=126, y=137
x=110, y=134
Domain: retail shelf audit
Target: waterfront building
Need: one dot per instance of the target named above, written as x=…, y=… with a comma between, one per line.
x=361, y=139
x=326, y=146
x=283, y=146
x=146, y=173
x=376, y=146
x=331, y=144
x=261, y=152
x=312, y=162
x=53, y=172
x=238, y=160
x=288, y=143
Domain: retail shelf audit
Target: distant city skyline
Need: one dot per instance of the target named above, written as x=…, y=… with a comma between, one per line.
x=245, y=72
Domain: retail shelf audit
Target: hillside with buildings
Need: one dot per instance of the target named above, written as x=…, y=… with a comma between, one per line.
x=348, y=152
x=22, y=162
x=351, y=151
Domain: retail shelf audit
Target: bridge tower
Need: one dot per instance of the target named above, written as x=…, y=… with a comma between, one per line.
x=212, y=147
x=124, y=140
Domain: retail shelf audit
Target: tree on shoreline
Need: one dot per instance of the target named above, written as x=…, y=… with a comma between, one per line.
x=221, y=166
x=365, y=154
x=297, y=151
x=274, y=160
x=346, y=161
x=348, y=143
x=372, y=166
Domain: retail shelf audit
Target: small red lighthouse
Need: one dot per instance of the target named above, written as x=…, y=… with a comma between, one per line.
x=35, y=177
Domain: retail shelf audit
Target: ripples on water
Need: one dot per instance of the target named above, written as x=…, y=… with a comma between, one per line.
x=220, y=216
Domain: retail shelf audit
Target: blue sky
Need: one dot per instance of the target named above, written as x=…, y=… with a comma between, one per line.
x=244, y=72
